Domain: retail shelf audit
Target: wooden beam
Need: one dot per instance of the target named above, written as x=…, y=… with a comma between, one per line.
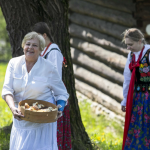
x=102, y=40
x=124, y=6
x=99, y=97
x=100, y=12
x=95, y=66
x=99, y=25
x=113, y=60
x=111, y=89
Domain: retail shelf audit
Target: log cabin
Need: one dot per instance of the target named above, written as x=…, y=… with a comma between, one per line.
x=97, y=51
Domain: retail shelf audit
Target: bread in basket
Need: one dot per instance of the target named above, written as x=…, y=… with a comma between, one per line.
x=37, y=116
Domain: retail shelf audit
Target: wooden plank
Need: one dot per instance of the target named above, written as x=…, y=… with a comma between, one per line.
x=99, y=97
x=100, y=12
x=115, y=61
x=111, y=89
x=96, y=67
x=100, y=39
x=125, y=6
x=99, y=25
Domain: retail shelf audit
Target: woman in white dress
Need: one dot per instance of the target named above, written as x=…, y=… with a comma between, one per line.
x=32, y=77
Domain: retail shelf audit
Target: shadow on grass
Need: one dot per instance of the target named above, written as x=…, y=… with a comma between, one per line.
x=5, y=137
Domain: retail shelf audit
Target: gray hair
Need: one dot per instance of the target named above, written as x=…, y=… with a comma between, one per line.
x=33, y=35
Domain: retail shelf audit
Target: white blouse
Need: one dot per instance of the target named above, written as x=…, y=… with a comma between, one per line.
x=127, y=73
x=37, y=84
x=55, y=57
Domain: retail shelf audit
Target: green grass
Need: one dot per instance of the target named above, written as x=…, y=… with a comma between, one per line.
x=5, y=113
x=104, y=133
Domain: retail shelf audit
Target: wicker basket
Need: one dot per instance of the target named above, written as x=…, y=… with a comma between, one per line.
x=38, y=117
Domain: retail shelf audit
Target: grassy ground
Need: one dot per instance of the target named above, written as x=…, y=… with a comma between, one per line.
x=105, y=134
x=5, y=113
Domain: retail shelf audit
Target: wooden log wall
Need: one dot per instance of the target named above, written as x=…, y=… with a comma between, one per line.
x=142, y=16
x=98, y=55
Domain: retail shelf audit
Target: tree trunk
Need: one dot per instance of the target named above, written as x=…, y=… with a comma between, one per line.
x=20, y=16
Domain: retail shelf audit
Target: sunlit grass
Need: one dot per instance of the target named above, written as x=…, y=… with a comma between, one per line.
x=5, y=113
x=104, y=133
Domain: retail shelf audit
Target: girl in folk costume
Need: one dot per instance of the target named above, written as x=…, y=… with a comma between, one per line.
x=136, y=89
x=54, y=55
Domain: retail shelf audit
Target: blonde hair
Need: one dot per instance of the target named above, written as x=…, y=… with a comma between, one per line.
x=33, y=35
x=133, y=34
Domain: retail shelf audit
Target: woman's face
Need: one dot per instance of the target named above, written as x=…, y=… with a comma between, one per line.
x=32, y=49
x=133, y=45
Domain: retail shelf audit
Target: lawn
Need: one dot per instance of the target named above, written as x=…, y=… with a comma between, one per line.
x=5, y=113
x=104, y=133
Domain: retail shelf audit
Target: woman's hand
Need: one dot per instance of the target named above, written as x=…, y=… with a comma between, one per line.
x=123, y=108
x=16, y=113
x=59, y=114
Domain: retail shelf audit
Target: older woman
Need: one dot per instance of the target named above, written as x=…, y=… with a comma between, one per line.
x=32, y=77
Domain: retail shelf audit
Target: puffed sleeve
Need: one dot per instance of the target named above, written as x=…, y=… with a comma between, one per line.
x=8, y=83
x=127, y=78
x=56, y=59
x=56, y=84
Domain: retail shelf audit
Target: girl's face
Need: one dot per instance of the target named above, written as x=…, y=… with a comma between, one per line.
x=133, y=45
x=32, y=49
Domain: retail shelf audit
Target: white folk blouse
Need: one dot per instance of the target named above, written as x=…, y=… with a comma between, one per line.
x=41, y=80
x=55, y=57
x=127, y=73
x=37, y=84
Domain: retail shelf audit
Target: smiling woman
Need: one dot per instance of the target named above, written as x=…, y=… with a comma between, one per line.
x=32, y=45
x=32, y=77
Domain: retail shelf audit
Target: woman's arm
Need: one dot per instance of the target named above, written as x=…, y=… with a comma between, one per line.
x=8, y=91
x=127, y=78
x=57, y=85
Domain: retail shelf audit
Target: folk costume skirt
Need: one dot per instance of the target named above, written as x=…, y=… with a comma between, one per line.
x=64, y=130
x=138, y=137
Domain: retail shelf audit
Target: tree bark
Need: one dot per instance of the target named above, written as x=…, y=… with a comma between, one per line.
x=20, y=16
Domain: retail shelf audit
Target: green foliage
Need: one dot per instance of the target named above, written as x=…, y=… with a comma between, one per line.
x=4, y=140
x=5, y=50
x=5, y=113
x=104, y=133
